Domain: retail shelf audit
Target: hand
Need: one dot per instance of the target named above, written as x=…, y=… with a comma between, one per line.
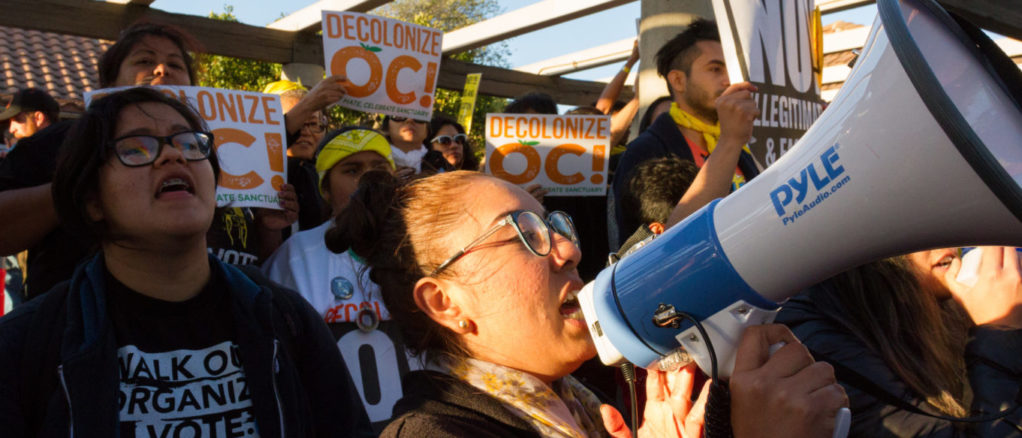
x=276, y=220
x=997, y=296
x=634, y=57
x=736, y=110
x=784, y=394
x=328, y=91
x=669, y=410
x=537, y=191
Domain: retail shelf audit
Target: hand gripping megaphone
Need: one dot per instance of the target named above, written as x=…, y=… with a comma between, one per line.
x=920, y=149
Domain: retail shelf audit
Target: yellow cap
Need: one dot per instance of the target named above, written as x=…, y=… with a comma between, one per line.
x=282, y=86
x=347, y=143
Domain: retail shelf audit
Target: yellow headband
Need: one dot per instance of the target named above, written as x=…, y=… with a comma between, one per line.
x=347, y=143
x=281, y=87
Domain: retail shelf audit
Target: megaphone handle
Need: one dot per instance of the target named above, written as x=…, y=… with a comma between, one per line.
x=843, y=419
x=842, y=422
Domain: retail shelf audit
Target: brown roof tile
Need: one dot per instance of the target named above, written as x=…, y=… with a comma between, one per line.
x=64, y=65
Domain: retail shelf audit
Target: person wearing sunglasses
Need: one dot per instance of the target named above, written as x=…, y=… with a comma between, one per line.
x=407, y=138
x=152, y=324
x=483, y=282
x=449, y=139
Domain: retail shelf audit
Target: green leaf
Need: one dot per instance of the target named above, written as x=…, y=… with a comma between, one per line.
x=530, y=143
x=374, y=49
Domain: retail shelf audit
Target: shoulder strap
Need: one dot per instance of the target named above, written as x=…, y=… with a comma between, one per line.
x=41, y=353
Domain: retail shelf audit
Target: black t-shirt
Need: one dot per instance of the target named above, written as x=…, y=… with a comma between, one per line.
x=32, y=163
x=232, y=236
x=180, y=370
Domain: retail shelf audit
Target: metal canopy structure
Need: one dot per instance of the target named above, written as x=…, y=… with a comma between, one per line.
x=292, y=39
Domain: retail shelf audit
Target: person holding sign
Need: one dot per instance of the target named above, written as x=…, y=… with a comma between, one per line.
x=153, y=336
x=708, y=113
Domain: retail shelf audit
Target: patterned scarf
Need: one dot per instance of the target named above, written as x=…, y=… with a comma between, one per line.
x=564, y=409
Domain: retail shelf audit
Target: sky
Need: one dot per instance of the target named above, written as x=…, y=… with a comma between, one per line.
x=605, y=27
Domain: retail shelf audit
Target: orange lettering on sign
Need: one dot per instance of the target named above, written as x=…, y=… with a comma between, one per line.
x=555, y=155
x=226, y=136
x=532, y=161
x=339, y=65
x=400, y=63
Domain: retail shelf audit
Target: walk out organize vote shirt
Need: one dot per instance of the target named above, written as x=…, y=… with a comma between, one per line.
x=180, y=370
x=338, y=287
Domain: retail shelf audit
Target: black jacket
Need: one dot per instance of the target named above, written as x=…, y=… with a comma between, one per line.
x=661, y=139
x=993, y=358
x=438, y=405
x=59, y=367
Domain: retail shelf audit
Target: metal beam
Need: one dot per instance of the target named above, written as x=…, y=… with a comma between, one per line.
x=102, y=20
x=582, y=60
x=519, y=21
x=311, y=17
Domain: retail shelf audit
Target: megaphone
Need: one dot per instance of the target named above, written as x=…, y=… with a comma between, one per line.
x=920, y=149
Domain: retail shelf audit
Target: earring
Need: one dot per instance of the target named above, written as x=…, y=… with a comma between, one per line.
x=463, y=324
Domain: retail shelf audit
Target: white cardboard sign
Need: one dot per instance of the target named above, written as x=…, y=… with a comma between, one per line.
x=567, y=155
x=392, y=65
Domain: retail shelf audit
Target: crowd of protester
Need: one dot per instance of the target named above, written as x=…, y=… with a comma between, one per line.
x=401, y=291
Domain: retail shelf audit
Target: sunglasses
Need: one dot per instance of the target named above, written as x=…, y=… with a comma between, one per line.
x=140, y=150
x=402, y=119
x=446, y=140
x=534, y=231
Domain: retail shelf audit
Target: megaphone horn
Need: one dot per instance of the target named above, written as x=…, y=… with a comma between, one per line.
x=918, y=150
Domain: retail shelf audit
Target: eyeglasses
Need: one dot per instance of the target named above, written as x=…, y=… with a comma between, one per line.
x=140, y=150
x=402, y=119
x=446, y=140
x=534, y=231
x=314, y=127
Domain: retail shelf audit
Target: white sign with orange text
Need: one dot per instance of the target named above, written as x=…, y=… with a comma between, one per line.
x=249, y=140
x=392, y=65
x=566, y=155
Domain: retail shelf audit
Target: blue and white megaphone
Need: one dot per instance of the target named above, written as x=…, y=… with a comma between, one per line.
x=920, y=149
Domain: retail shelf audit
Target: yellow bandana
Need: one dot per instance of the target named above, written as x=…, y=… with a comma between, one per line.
x=710, y=132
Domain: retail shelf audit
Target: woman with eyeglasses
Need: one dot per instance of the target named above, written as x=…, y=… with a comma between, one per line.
x=153, y=335
x=483, y=281
x=449, y=139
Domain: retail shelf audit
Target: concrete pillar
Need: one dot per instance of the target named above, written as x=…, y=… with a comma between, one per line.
x=308, y=74
x=661, y=21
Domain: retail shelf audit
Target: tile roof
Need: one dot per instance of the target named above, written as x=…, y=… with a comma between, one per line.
x=64, y=65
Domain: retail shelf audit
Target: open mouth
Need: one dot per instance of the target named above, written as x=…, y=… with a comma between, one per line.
x=174, y=185
x=570, y=308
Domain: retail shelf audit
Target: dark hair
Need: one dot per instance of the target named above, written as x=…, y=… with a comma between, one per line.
x=921, y=339
x=680, y=51
x=110, y=62
x=469, y=160
x=85, y=151
x=585, y=110
x=647, y=117
x=398, y=230
x=539, y=103
x=656, y=187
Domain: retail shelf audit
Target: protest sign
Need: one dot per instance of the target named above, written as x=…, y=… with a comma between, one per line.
x=468, y=100
x=392, y=65
x=777, y=46
x=567, y=155
x=249, y=135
